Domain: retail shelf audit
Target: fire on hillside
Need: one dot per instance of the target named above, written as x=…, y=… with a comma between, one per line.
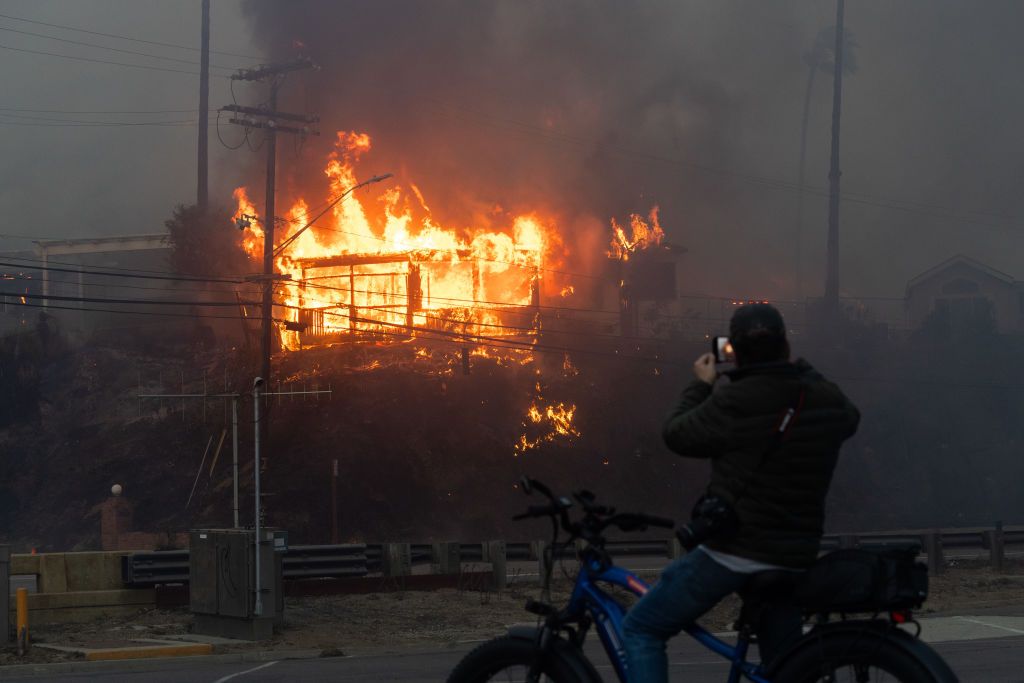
x=389, y=272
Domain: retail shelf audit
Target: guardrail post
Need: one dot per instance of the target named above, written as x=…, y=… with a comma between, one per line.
x=932, y=541
x=538, y=551
x=675, y=548
x=396, y=559
x=5, y=598
x=994, y=541
x=848, y=541
x=494, y=552
x=448, y=558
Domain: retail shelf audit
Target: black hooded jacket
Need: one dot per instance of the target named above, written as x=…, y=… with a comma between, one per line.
x=781, y=492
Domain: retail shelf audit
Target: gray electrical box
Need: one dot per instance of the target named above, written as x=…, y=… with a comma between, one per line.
x=222, y=583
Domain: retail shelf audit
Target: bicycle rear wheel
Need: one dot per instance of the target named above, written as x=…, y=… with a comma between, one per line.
x=508, y=659
x=862, y=655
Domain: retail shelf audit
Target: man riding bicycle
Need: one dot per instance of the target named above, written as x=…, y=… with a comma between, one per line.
x=773, y=433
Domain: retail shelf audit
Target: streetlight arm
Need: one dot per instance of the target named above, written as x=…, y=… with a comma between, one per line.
x=375, y=179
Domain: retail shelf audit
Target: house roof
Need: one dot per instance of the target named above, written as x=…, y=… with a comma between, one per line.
x=90, y=245
x=957, y=260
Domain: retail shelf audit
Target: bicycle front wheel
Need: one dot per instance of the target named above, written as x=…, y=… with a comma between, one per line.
x=862, y=655
x=509, y=659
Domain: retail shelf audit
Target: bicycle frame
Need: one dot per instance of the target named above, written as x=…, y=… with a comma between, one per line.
x=556, y=642
x=608, y=614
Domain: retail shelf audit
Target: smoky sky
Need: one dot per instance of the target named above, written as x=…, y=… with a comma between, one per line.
x=99, y=117
x=599, y=109
x=583, y=110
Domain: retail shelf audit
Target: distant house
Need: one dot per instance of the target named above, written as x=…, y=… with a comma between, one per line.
x=963, y=290
x=60, y=277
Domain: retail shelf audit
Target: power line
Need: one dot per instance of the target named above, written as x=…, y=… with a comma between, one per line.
x=424, y=313
x=98, y=111
x=496, y=306
x=118, y=272
x=520, y=309
x=112, y=49
x=120, y=37
x=137, y=302
x=420, y=334
x=70, y=123
x=121, y=311
x=103, y=61
x=498, y=342
x=115, y=286
x=474, y=337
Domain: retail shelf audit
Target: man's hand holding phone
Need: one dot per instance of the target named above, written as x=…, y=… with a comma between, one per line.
x=704, y=368
x=721, y=352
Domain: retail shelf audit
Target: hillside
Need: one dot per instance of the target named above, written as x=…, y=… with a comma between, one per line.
x=426, y=452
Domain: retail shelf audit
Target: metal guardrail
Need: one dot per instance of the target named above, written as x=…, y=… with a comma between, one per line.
x=164, y=567
x=158, y=567
x=360, y=559
x=325, y=561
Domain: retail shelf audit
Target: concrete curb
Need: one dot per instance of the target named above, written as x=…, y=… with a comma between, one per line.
x=152, y=663
x=135, y=649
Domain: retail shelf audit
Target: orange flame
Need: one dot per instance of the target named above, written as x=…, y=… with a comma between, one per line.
x=392, y=269
x=245, y=217
x=643, y=235
x=555, y=419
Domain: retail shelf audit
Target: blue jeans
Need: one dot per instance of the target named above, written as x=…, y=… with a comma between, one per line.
x=688, y=588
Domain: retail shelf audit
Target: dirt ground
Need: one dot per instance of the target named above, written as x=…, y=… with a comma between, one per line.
x=403, y=621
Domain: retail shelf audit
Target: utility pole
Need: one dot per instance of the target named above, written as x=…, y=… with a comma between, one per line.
x=832, y=260
x=269, y=220
x=267, y=119
x=202, y=192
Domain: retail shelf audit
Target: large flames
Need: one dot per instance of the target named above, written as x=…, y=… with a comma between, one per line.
x=390, y=269
x=384, y=268
x=643, y=234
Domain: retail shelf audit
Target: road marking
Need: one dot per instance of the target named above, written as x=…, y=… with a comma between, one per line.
x=690, y=662
x=247, y=671
x=985, y=623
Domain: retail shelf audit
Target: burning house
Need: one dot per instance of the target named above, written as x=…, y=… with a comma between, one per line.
x=384, y=269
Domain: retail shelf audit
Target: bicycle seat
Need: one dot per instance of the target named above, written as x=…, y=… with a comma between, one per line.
x=770, y=585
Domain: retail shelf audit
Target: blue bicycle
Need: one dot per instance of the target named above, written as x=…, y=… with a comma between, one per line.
x=861, y=650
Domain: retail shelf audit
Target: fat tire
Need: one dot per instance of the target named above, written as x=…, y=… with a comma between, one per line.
x=892, y=654
x=495, y=656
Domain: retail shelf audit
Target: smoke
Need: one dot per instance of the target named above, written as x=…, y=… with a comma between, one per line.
x=594, y=110
x=573, y=108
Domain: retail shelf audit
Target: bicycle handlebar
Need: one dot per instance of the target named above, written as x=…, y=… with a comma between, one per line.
x=597, y=517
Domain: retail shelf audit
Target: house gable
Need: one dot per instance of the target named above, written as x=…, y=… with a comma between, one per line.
x=964, y=285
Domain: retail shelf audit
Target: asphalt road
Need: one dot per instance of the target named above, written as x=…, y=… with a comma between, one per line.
x=987, y=648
